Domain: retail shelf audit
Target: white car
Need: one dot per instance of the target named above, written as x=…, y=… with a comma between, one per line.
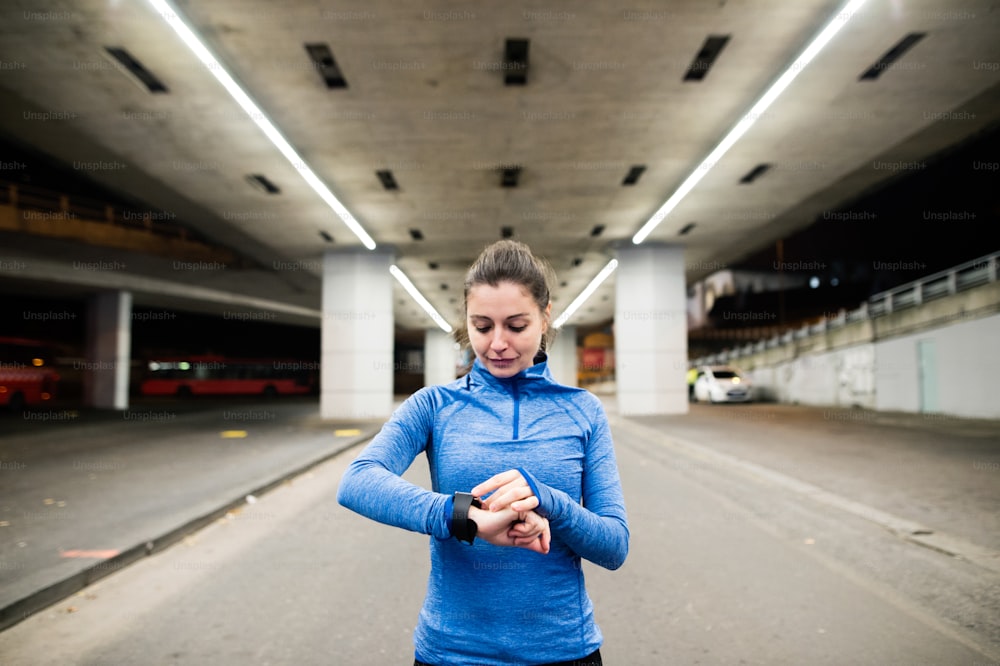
x=720, y=383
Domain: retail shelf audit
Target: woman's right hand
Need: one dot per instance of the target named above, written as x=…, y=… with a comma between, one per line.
x=525, y=529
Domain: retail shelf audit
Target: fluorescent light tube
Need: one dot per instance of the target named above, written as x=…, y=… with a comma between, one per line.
x=419, y=298
x=586, y=293
x=833, y=26
x=173, y=18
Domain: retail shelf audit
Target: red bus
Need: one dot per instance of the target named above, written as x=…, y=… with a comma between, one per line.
x=27, y=375
x=221, y=375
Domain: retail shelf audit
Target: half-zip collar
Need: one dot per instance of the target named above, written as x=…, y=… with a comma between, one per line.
x=539, y=372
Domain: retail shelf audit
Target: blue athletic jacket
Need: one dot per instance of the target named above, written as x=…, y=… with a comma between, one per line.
x=485, y=604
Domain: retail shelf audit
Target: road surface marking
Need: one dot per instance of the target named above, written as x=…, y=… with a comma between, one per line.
x=98, y=554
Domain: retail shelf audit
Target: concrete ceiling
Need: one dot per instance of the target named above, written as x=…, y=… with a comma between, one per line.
x=426, y=99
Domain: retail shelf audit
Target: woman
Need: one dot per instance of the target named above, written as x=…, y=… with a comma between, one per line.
x=512, y=456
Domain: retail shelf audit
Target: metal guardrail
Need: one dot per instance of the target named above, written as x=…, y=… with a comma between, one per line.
x=977, y=272
x=964, y=276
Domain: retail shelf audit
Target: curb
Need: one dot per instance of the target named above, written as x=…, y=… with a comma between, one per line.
x=25, y=607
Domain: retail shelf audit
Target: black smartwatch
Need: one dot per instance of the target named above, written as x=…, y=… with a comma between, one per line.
x=464, y=528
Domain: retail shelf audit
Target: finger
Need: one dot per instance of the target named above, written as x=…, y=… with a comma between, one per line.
x=533, y=519
x=524, y=531
x=531, y=526
x=542, y=528
x=540, y=544
x=495, y=501
x=534, y=545
x=495, y=482
x=527, y=504
x=508, y=494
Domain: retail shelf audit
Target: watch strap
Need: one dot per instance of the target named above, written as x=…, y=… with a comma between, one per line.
x=464, y=528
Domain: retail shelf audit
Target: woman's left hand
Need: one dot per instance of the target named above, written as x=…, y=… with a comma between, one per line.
x=510, y=528
x=510, y=489
x=531, y=532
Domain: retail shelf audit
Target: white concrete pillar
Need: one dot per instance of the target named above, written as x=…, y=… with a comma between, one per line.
x=562, y=357
x=440, y=357
x=109, y=349
x=356, y=348
x=651, y=330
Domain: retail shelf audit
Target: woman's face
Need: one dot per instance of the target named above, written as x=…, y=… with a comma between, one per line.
x=505, y=327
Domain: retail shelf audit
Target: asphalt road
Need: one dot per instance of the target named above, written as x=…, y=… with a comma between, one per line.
x=87, y=483
x=732, y=562
x=940, y=471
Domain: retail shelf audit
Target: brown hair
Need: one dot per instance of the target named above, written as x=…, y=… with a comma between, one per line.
x=510, y=261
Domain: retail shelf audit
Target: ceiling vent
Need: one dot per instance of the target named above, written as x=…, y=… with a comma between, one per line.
x=388, y=180
x=632, y=177
x=509, y=176
x=324, y=63
x=706, y=57
x=136, y=70
x=755, y=173
x=515, y=62
x=891, y=56
x=263, y=184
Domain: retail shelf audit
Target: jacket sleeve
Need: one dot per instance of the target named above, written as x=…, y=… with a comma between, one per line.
x=373, y=486
x=597, y=529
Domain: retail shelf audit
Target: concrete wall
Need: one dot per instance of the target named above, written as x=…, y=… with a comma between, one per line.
x=938, y=358
x=964, y=368
x=841, y=378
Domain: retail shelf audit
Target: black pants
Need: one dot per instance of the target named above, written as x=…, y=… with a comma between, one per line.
x=590, y=660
